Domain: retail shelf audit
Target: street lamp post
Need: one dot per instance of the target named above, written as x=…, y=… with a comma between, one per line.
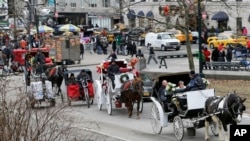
x=199, y=31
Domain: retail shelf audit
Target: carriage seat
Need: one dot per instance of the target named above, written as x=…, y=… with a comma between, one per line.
x=118, y=83
x=124, y=70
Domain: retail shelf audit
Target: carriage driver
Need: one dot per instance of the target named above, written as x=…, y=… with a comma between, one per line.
x=40, y=61
x=112, y=70
x=82, y=76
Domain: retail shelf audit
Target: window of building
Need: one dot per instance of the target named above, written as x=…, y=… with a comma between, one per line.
x=73, y=3
x=105, y=3
x=141, y=22
x=92, y=3
x=143, y=0
x=62, y=3
x=155, y=0
x=82, y=3
x=132, y=0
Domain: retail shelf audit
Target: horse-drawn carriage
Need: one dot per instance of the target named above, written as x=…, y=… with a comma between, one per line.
x=128, y=88
x=79, y=90
x=194, y=109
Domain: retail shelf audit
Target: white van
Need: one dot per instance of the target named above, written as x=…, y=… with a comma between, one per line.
x=162, y=41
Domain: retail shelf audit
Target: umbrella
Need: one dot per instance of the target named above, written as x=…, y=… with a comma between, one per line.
x=69, y=27
x=67, y=33
x=43, y=29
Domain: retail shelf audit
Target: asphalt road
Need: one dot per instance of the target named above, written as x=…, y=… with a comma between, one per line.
x=118, y=126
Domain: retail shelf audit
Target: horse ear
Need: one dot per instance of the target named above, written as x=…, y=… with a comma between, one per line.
x=243, y=100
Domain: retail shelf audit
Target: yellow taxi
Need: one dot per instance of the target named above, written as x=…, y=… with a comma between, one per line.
x=180, y=35
x=227, y=39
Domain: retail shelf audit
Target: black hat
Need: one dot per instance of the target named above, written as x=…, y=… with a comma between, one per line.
x=112, y=60
x=192, y=72
x=82, y=70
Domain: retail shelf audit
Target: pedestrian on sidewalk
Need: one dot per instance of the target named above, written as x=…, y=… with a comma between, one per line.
x=114, y=45
x=129, y=48
x=133, y=50
x=152, y=55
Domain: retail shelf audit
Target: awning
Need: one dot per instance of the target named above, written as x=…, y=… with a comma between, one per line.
x=220, y=16
x=140, y=14
x=150, y=14
x=131, y=14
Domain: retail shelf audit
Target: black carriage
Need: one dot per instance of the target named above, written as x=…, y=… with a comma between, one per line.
x=79, y=90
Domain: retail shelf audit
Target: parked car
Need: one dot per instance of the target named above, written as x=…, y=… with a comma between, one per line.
x=162, y=40
x=180, y=35
x=227, y=39
x=137, y=34
x=147, y=85
x=195, y=35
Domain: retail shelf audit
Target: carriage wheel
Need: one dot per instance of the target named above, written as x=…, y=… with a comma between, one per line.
x=86, y=93
x=178, y=128
x=155, y=119
x=214, y=128
x=99, y=104
x=69, y=102
x=141, y=105
x=109, y=104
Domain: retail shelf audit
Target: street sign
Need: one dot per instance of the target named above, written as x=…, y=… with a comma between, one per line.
x=56, y=14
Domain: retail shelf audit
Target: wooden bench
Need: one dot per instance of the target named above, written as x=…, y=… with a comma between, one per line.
x=230, y=66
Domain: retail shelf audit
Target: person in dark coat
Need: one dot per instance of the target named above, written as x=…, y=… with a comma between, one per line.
x=152, y=55
x=114, y=45
x=129, y=48
x=112, y=70
x=139, y=54
x=163, y=94
x=229, y=54
x=222, y=55
x=81, y=51
x=133, y=50
x=215, y=55
x=196, y=83
x=112, y=56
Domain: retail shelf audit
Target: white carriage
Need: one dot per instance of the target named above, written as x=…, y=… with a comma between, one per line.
x=40, y=90
x=106, y=94
x=191, y=117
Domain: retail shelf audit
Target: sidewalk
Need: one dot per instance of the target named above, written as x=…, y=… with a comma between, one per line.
x=174, y=65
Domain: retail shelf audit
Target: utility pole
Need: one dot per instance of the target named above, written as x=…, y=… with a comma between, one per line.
x=14, y=16
x=199, y=31
x=120, y=7
x=55, y=12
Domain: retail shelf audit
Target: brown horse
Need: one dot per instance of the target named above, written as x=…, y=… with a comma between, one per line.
x=131, y=92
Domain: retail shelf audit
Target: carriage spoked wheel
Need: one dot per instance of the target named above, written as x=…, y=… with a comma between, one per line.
x=141, y=105
x=155, y=119
x=86, y=94
x=109, y=101
x=178, y=128
x=214, y=128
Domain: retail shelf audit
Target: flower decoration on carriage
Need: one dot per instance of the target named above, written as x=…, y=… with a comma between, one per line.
x=170, y=87
x=103, y=66
x=206, y=82
x=124, y=77
x=133, y=62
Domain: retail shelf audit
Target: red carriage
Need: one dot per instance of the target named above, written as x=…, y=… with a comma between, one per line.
x=74, y=91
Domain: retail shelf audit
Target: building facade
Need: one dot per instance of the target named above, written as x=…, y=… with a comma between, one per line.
x=235, y=13
x=86, y=12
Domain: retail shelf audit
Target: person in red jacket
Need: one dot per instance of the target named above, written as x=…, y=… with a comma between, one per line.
x=207, y=55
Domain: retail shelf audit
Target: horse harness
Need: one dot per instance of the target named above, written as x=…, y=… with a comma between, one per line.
x=222, y=106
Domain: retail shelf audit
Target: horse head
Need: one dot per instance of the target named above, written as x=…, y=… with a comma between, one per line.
x=235, y=107
x=138, y=84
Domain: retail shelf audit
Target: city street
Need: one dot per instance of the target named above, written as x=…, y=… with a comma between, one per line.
x=118, y=126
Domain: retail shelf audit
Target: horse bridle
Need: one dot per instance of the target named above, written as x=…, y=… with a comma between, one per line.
x=232, y=107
